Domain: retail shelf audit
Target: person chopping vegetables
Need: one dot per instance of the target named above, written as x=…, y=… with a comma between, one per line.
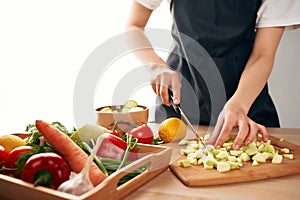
x=241, y=37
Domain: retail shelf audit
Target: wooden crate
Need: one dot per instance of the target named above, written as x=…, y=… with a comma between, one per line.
x=156, y=158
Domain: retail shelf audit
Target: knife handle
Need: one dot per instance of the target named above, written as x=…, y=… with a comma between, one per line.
x=176, y=107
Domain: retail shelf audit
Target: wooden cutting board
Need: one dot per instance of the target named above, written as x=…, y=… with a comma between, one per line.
x=198, y=176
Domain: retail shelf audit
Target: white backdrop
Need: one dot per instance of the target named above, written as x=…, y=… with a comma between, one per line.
x=285, y=81
x=43, y=44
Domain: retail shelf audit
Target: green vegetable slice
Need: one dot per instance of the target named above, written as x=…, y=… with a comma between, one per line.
x=130, y=104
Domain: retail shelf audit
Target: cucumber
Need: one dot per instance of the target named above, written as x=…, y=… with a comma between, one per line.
x=130, y=104
x=106, y=110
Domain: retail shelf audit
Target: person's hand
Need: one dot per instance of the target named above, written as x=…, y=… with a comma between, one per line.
x=164, y=79
x=233, y=116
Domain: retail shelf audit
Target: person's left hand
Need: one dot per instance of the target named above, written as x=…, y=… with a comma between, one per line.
x=233, y=115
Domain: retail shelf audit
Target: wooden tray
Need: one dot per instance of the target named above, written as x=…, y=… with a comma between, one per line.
x=198, y=176
x=157, y=159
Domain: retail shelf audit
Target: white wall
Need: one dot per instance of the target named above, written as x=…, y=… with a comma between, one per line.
x=285, y=81
x=43, y=44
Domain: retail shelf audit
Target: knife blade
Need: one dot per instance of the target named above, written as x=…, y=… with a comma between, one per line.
x=178, y=109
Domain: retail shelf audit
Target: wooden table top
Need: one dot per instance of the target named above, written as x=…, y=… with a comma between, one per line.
x=168, y=186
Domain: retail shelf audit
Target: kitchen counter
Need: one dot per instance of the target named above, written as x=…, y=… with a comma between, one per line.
x=168, y=186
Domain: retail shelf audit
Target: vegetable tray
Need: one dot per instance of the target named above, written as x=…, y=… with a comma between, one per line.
x=155, y=158
x=198, y=176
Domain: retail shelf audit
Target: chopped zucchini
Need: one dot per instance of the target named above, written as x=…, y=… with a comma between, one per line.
x=255, y=163
x=235, y=152
x=222, y=155
x=285, y=150
x=288, y=156
x=245, y=157
x=259, y=157
x=184, y=163
x=251, y=149
x=223, y=166
x=277, y=159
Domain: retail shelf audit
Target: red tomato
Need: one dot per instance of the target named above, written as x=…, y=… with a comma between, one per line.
x=3, y=156
x=15, y=154
x=143, y=133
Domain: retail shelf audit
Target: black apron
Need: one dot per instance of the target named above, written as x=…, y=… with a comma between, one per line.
x=213, y=40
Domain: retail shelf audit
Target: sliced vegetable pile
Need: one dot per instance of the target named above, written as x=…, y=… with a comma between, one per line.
x=226, y=159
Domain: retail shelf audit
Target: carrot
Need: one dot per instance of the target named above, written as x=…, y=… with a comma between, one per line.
x=69, y=150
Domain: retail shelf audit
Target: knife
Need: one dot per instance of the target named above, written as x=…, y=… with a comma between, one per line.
x=178, y=109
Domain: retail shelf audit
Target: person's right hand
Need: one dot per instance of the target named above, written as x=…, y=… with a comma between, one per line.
x=163, y=79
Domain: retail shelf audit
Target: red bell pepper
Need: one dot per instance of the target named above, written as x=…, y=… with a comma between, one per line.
x=114, y=147
x=143, y=133
x=46, y=169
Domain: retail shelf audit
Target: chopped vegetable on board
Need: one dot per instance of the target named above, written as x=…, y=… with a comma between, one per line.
x=226, y=159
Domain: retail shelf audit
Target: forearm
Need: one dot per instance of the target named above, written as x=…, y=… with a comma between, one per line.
x=252, y=81
x=163, y=77
x=258, y=67
x=142, y=48
x=138, y=41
